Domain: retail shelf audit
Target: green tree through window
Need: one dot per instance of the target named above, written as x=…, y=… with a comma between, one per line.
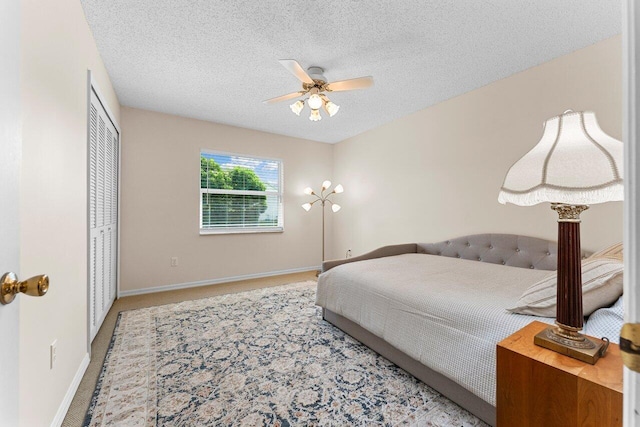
x=246, y=208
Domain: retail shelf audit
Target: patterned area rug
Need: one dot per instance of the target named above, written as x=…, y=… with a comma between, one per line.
x=255, y=358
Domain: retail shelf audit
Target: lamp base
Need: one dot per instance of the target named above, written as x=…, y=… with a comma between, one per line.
x=570, y=342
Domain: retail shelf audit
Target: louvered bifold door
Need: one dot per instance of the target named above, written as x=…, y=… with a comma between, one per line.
x=103, y=213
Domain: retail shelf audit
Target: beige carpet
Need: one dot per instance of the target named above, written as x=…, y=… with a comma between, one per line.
x=80, y=404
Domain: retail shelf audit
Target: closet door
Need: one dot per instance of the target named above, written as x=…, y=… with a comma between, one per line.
x=103, y=213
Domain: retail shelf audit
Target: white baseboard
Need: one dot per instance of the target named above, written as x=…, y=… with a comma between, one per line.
x=212, y=281
x=71, y=392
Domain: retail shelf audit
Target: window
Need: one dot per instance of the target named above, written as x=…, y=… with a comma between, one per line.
x=239, y=194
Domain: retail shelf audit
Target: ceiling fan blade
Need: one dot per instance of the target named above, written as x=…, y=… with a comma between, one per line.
x=284, y=97
x=359, y=83
x=295, y=69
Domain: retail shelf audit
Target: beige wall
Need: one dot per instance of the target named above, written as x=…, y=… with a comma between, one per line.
x=57, y=49
x=436, y=174
x=160, y=203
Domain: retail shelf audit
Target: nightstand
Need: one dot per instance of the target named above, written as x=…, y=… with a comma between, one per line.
x=539, y=387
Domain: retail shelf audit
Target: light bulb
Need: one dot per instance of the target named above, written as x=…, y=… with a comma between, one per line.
x=315, y=116
x=335, y=207
x=306, y=206
x=332, y=108
x=315, y=101
x=296, y=107
x=339, y=189
x=308, y=191
x=326, y=185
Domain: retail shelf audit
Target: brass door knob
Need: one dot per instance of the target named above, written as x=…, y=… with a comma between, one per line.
x=35, y=286
x=630, y=345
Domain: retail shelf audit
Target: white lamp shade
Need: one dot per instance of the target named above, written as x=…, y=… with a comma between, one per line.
x=306, y=206
x=339, y=189
x=331, y=108
x=296, y=107
x=575, y=162
x=315, y=116
x=326, y=185
x=308, y=191
x=335, y=207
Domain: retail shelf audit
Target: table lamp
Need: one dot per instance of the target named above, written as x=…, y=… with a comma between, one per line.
x=574, y=165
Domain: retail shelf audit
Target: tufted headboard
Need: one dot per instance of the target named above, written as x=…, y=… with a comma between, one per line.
x=505, y=249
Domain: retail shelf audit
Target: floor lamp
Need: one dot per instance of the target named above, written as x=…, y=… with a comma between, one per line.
x=574, y=165
x=323, y=199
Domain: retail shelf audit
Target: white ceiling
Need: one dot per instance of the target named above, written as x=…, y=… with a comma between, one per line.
x=218, y=60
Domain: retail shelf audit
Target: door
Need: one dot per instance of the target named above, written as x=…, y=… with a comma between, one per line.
x=103, y=150
x=631, y=127
x=11, y=148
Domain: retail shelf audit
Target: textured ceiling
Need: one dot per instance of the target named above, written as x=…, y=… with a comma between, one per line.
x=218, y=60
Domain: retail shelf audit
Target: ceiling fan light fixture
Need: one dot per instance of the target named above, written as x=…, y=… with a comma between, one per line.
x=296, y=107
x=315, y=86
x=332, y=108
x=315, y=116
x=315, y=101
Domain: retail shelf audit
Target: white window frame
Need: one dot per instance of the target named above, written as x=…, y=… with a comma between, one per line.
x=244, y=230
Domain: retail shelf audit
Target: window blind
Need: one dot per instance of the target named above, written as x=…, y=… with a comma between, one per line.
x=240, y=194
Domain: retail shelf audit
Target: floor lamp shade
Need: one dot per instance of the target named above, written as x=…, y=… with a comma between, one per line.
x=574, y=165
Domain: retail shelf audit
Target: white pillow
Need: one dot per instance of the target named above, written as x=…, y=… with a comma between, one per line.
x=601, y=286
x=613, y=251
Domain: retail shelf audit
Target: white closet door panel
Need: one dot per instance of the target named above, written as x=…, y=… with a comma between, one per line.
x=108, y=254
x=93, y=165
x=110, y=270
x=114, y=265
x=99, y=281
x=114, y=181
x=103, y=213
x=108, y=162
x=93, y=275
x=100, y=171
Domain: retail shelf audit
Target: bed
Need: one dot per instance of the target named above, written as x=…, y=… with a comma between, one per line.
x=438, y=310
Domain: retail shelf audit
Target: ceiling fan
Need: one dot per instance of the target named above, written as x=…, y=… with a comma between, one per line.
x=315, y=84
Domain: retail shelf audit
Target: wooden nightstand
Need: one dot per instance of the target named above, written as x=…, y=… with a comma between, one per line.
x=539, y=387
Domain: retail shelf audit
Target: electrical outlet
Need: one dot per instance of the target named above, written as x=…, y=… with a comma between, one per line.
x=53, y=353
x=174, y=261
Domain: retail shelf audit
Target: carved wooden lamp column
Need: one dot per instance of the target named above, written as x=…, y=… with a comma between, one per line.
x=574, y=165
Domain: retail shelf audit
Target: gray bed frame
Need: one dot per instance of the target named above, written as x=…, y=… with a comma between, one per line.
x=506, y=249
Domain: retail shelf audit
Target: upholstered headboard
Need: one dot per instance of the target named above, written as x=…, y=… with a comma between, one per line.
x=505, y=249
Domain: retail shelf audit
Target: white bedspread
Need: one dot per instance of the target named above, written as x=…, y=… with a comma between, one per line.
x=448, y=313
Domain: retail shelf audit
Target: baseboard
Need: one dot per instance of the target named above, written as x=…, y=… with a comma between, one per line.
x=213, y=281
x=71, y=392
